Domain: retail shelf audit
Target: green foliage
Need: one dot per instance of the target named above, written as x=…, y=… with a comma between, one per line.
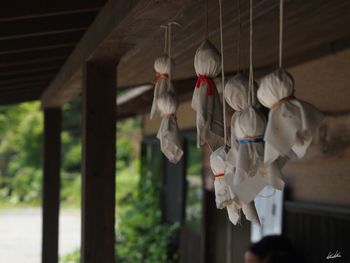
x=141, y=235
x=21, y=133
x=20, y=152
x=73, y=257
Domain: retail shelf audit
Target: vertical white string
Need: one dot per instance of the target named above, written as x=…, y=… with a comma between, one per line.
x=281, y=35
x=166, y=40
x=239, y=37
x=165, y=27
x=251, y=77
x=222, y=72
x=206, y=20
x=169, y=52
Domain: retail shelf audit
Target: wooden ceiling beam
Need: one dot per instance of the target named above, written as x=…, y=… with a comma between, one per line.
x=14, y=65
x=36, y=50
x=40, y=42
x=119, y=26
x=24, y=28
x=29, y=70
x=20, y=97
x=19, y=9
x=25, y=79
x=43, y=54
x=32, y=84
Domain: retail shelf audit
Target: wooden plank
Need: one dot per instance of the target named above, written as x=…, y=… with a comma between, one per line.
x=98, y=165
x=51, y=68
x=25, y=79
x=10, y=10
x=42, y=41
x=27, y=57
x=37, y=49
x=46, y=25
x=119, y=26
x=49, y=61
x=51, y=184
x=19, y=86
x=19, y=97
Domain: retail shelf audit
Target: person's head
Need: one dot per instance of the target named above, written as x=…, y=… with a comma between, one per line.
x=271, y=249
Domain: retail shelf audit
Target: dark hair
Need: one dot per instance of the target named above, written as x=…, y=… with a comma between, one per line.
x=274, y=249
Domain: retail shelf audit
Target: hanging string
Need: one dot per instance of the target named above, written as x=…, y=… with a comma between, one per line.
x=281, y=34
x=206, y=20
x=251, y=77
x=239, y=37
x=169, y=51
x=165, y=38
x=222, y=73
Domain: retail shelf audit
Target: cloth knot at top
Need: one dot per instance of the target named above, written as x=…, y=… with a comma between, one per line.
x=207, y=60
x=249, y=124
x=164, y=65
x=236, y=91
x=275, y=87
x=208, y=81
x=168, y=104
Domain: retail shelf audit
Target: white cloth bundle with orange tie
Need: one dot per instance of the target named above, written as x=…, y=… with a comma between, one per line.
x=163, y=66
x=224, y=197
x=292, y=122
x=205, y=100
x=168, y=132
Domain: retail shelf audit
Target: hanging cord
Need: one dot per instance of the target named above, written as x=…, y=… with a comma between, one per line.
x=281, y=35
x=239, y=37
x=169, y=29
x=251, y=76
x=222, y=73
x=206, y=20
x=165, y=27
x=169, y=49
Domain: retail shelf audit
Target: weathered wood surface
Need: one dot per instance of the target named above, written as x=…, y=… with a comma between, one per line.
x=307, y=35
x=35, y=40
x=51, y=184
x=120, y=26
x=98, y=164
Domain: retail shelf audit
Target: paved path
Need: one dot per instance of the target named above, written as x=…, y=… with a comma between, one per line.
x=20, y=234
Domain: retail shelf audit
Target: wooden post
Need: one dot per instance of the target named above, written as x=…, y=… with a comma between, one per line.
x=98, y=166
x=51, y=184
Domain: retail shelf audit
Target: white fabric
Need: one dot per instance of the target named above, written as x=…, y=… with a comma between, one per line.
x=207, y=60
x=162, y=65
x=236, y=95
x=224, y=197
x=168, y=132
x=291, y=125
x=248, y=182
x=222, y=192
x=236, y=91
x=209, y=116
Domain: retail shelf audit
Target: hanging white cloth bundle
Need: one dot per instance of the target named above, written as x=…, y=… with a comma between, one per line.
x=222, y=191
x=224, y=197
x=163, y=66
x=292, y=122
x=205, y=100
x=168, y=132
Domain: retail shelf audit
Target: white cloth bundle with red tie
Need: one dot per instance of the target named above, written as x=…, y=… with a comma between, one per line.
x=205, y=100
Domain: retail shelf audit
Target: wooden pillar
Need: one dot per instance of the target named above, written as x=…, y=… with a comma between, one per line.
x=51, y=184
x=98, y=167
